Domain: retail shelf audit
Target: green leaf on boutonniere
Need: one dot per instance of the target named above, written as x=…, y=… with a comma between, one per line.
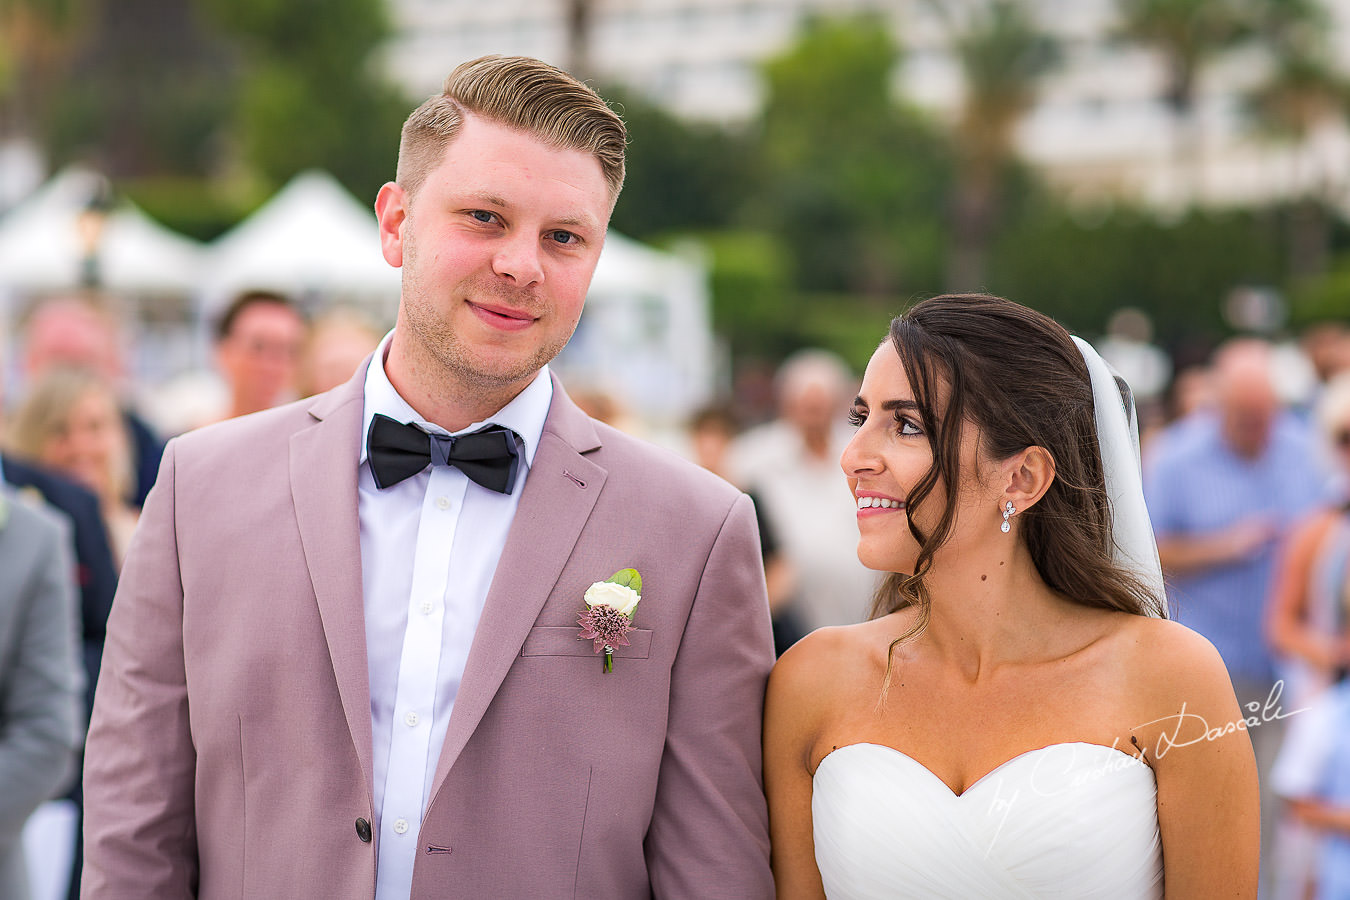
x=629, y=578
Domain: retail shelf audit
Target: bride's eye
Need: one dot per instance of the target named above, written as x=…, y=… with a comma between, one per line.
x=856, y=418
x=907, y=426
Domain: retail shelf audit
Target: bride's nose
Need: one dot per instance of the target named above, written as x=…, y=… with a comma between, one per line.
x=858, y=457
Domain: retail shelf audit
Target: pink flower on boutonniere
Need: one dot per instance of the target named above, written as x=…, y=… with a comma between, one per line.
x=608, y=618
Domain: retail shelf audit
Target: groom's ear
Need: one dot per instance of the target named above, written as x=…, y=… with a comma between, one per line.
x=1027, y=475
x=391, y=211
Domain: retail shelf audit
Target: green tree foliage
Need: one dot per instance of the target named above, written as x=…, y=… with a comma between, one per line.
x=1306, y=92
x=755, y=306
x=681, y=175
x=856, y=182
x=135, y=88
x=1179, y=271
x=1186, y=34
x=36, y=39
x=159, y=93
x=1324, y=297
x=1003, y=54
x=309, y=92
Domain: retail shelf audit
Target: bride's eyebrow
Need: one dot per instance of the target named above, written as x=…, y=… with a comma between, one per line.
x=890, y=405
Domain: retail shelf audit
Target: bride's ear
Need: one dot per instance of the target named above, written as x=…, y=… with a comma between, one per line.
x=1027, y=475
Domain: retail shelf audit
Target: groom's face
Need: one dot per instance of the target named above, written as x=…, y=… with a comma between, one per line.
x=497, y=248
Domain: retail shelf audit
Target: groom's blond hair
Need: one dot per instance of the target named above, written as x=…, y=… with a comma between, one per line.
x=520, y=93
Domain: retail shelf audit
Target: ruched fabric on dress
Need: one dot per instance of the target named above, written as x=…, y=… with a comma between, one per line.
x=1068, y=820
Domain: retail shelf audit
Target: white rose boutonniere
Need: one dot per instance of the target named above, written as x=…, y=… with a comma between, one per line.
x=610, y=606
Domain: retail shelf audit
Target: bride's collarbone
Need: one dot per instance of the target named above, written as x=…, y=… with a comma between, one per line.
x=960, y=723
x=961, y=732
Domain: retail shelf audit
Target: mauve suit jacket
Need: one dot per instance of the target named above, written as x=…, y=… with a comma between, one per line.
x=230, y=750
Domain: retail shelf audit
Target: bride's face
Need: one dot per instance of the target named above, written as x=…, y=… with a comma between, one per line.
x=888, y=455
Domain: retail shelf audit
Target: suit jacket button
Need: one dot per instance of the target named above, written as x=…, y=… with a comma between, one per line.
x=363, y=830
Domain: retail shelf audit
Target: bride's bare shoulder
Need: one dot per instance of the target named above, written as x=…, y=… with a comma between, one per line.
x=839, y=656
x=1164, y=641
x=1171, y=664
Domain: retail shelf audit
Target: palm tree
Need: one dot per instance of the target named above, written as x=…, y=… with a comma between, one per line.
x=1003, y=54
x=577, y=25
x=1186, y=34
x=1305, y=93
x=1189, y=34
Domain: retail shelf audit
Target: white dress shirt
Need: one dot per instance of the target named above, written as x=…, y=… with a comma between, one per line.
x=425, y=580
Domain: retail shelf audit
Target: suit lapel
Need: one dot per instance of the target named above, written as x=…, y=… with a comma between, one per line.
x=323, y=468
x=560, y=493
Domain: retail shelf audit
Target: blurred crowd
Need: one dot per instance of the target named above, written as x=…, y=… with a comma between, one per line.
x=74, y=442
x=1246, y=460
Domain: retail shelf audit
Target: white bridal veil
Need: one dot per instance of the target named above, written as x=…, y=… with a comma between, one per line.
x=1118, y=436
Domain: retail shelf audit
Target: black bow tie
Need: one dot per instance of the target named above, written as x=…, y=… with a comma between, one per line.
x=397, y=451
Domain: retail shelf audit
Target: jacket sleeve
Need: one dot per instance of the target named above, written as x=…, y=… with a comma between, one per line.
x=709, y=830
x=139, y=831
x=42, y=683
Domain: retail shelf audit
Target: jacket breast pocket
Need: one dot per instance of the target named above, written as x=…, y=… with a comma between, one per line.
x=564, y=640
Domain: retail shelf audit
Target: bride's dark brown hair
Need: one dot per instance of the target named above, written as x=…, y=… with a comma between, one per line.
x=1018, y=376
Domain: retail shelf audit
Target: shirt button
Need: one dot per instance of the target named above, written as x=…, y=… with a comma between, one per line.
x=443, y=502
x=427, y=607
x=401, y=826
x=411, y=719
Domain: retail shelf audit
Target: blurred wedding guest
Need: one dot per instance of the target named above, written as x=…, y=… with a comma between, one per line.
x=1190, y=392
x=259, y=339
x=78, y=331
x=1222, y=492
x=339, y=341
x=1313, y=775
x=69, y=422
x=792, y=466
x=604, y=403
x=95, y=572
x=711, y=432
x=1128, y=347
x=80, y=467
x=1327, y=348
x=41, y=684
x=1307, y=617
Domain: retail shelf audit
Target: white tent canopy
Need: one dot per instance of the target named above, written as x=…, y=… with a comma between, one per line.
x=646, y=337
x=313, y=238
x=42, y=249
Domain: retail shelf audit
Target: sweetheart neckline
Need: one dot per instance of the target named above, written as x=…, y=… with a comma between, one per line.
x=978, y=781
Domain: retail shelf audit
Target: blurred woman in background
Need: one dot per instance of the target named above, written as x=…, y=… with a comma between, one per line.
x=1306, y=625
x=69, y=422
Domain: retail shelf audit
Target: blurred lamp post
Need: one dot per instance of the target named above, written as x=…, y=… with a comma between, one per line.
x=89, y=227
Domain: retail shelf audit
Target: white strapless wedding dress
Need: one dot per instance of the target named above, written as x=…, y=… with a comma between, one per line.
x=1067, y=820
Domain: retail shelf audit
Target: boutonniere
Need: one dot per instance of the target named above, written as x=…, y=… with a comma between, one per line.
x=608, y=618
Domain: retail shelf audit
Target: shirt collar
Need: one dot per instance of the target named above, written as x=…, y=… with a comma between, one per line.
x=524, y=415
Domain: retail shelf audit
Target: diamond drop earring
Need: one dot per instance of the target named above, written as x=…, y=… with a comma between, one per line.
x=1008, y=510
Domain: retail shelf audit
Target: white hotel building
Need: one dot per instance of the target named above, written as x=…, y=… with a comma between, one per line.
x=1099, y=129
